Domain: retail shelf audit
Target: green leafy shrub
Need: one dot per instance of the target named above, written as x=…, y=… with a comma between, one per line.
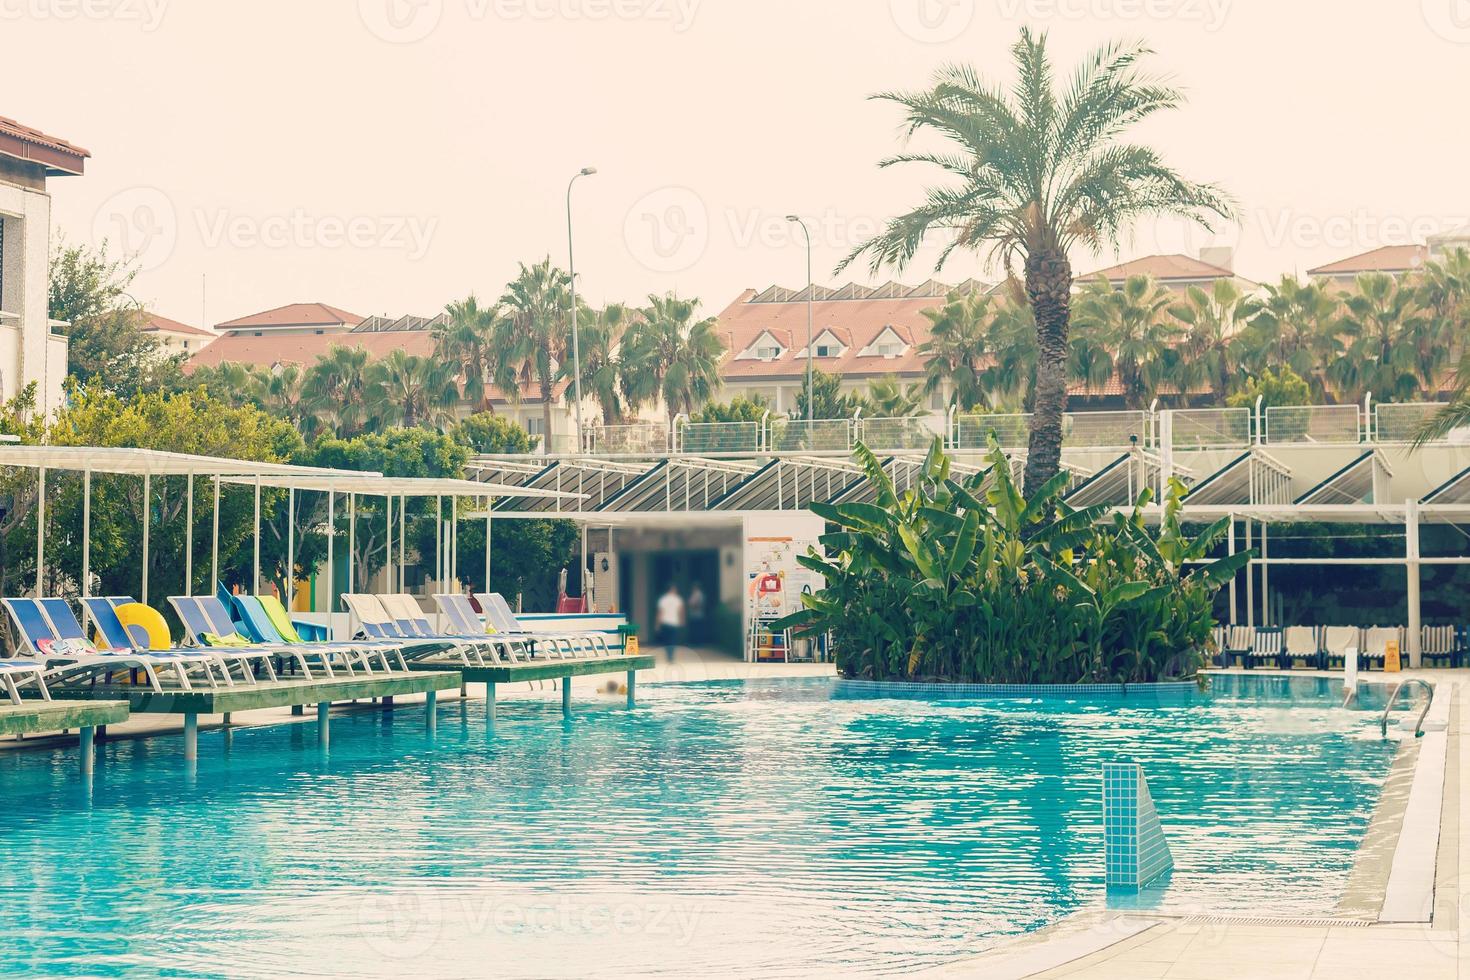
x=967, y=581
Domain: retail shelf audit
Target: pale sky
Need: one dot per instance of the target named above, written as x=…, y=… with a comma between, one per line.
x=388, y=156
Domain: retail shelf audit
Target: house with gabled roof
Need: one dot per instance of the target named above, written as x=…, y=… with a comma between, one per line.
x=174, y=336
x=1175, y=271
x=1394, y=260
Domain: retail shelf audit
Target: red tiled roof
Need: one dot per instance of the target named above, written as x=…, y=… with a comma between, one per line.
x=1164, y=268
x=305, y=348
x=294, y=315
x=24, y=143
x=153, y=322
x=858, y=322
x=1389, y=258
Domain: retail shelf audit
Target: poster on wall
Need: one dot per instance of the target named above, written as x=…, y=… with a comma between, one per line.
x=775, y=580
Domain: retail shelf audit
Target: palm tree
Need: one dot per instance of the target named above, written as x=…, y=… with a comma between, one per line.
x=1383, y=328
x=409, y=390
x=1214, y=337
x=232, y=382
x=1295, y=325
x=601, y=337
x=672, y=357
x=1038, y=171
x=1010, y=377
x=1134, y=324
x=466, y=339
x=957, y=353
x=279, y=391
x=336, y=388
x=889, y=398
x=532, y=334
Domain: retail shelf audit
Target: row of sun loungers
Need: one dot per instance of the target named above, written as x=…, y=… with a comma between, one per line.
x=253, y=636
x=1326, y=647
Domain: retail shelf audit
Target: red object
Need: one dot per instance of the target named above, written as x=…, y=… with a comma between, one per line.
x=570, y=604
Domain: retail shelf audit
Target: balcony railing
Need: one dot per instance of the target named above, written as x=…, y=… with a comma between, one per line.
x=1192, y=429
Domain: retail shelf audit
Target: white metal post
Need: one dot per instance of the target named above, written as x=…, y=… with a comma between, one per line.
x=402, y=522
x=214, y=543
x=1411, y=563
x=351, y=539
x=40, y=531
x=255, y=582
x=438, y=543
x=388, y=544
x=1230, y=549
x=86, y=533
x=290, y=548
x=1265, y=575
x=189, y=536
x=331, y=548
x=147, y=497
x=487, y=546
x=1250, y=581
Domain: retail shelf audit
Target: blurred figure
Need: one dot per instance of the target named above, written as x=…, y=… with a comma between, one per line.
x=670, y=619
x=697, y=613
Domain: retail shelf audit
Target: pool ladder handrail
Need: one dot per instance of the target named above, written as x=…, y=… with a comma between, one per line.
x=1419, y=725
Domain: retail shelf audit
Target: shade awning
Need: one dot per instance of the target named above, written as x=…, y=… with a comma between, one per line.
x=152, y=462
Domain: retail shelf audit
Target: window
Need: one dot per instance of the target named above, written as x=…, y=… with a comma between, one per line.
x=889, y=350
x=826, y=350
x=767, y=352
x=535, y=425
x=186, y=345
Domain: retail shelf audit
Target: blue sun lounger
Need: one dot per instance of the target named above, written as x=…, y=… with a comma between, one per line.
x=103, y=614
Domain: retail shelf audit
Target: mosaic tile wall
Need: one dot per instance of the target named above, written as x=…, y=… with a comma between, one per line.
x=1134, y=847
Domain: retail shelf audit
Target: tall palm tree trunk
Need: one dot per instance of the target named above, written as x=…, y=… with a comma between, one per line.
x=1049, y=289
x=546, y=415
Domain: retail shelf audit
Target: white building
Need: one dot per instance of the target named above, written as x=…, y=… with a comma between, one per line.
x=175, y=337
x=30, y=350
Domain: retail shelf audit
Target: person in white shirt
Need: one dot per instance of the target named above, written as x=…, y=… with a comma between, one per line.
x=670, y=619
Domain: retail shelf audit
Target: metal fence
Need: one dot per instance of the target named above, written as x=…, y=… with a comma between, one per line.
x=636, y=437
x=1314, y=423
x=720, y=437
x=1211, y=428
x=901, y=433
x=815, y=435
x=976, y=431
x=1107, y=430
x=1402, y=422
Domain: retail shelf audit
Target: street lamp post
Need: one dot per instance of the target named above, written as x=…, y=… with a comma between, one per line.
x=572, y=277
x=810, y=390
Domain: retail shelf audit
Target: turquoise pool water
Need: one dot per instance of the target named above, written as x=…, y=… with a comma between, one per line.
x=758, y=828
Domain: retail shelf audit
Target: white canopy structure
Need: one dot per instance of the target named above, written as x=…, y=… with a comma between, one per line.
x=150, y=463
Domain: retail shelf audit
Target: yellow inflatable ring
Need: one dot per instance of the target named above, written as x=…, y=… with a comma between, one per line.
x=150, y=619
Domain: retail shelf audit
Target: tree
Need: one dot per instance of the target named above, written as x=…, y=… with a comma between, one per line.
x=1283, y=387
x=106, y=343
x=1036, y=172
x=485, y=432
x=957, y=354
x=466, y=339
x=410, y=391
x=828, y=401
x=1295, y=326
x=1134, y=324
x=531, y=338
x=1384, y=330
x=1213, y=348
x=672, y=357
x=186, y=422
x=738, y=409
x=335, y=389
x=600, y=334
x=889, y=398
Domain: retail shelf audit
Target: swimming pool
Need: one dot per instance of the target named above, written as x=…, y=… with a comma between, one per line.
x=721, y=828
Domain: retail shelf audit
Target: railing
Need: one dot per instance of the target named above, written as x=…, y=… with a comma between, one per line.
x=1401, y=422
x=815, y=435
x=636, y=437
x=1314, y=423
x=1185, y=429
x=1211, y=428
x=719, y=437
